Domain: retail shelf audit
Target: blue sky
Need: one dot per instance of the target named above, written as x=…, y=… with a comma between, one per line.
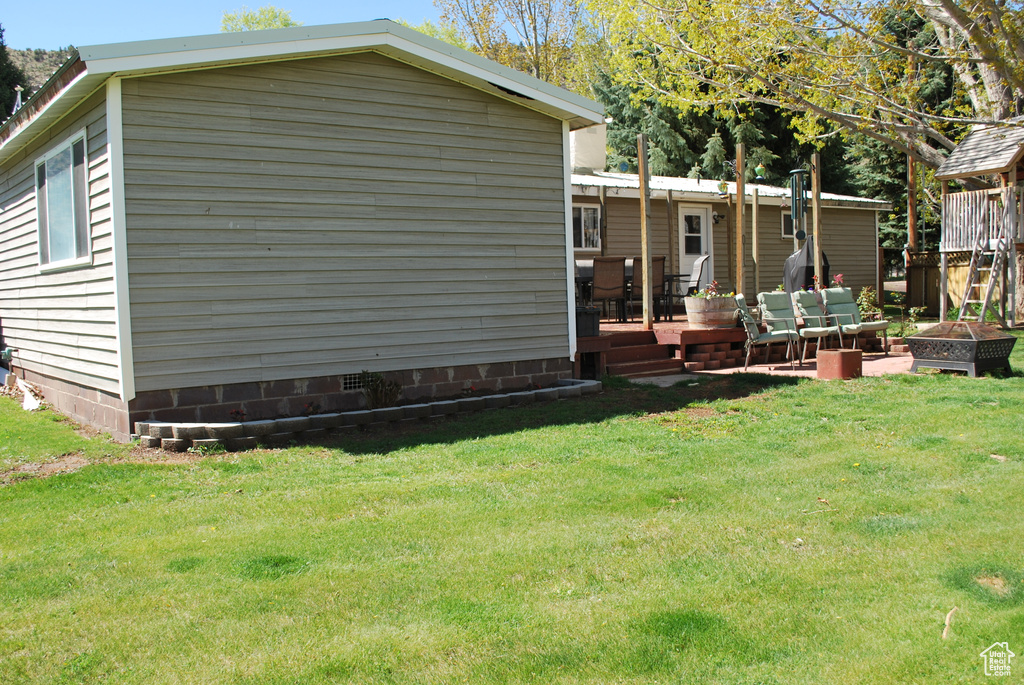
x=63, y=22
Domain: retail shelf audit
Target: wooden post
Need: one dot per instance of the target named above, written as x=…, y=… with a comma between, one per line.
x=741, y=201
x=754, y=244
x=673, y=235
x=602, y=226
x=645, y=233
x=816, y=214
x=912, y=240
x=943, y=263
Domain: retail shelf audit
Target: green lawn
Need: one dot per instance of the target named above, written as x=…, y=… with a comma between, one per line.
x=788, y=532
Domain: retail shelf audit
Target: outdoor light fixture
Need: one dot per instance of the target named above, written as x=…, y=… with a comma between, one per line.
x=759, y=170
x=723, y=189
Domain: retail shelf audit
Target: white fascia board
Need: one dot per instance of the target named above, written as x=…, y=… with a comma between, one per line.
x=570, y=254
x=119, y=234
x=385, y=37
x=75, y=92
x=586, y=190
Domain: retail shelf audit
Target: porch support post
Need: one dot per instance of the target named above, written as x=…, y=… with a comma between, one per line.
x=754, y=244
x=943, y=260
x=673, y=253
x=816, y=214
x=741, y=201
x=943, y=285
x=645, y=233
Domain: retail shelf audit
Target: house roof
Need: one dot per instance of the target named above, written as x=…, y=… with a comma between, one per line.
x=628, y=185
x=985, y=150
x=90, y=67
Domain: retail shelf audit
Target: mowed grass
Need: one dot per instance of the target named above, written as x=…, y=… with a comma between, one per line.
x=791, y=532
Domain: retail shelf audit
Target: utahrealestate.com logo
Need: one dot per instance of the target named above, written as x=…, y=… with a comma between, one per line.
x=997, y=659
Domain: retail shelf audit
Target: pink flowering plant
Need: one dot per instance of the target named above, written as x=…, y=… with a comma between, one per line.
x=837, y=281
x=711, y=291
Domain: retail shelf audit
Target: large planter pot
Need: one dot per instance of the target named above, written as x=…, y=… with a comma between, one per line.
x=711, y=312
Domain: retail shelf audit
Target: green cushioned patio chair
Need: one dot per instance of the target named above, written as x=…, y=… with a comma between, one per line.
x=779, y=330
x=840, y=304
x=816, y=323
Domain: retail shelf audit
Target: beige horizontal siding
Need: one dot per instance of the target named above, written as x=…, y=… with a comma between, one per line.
x=62, y=323
x=848, y=238
x=337, y=214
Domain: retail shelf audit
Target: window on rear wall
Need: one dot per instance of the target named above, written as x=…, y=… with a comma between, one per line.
x=787, y=226
x=586, y=227
x=62, y=205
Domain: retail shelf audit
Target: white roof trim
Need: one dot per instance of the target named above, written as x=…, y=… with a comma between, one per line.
x=383, y=36
x=683, y=189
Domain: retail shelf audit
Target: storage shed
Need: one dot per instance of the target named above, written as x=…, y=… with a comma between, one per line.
x=244, y=222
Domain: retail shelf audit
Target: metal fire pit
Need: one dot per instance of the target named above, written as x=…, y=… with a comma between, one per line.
x=961, y=346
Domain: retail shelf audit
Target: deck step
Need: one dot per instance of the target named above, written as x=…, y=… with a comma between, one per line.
x=658, y=367
x=631, y=338
x=636, y=353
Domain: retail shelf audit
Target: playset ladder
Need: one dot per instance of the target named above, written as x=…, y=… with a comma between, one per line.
x=988, y=261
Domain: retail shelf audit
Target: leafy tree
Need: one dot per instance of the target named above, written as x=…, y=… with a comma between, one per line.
x=266, y=17
x=10, y=76
x=837, y=64
x=444, y=31
x=696, y=142
x=554, y=40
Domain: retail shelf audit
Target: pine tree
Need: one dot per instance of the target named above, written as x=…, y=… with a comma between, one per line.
x=10, y=76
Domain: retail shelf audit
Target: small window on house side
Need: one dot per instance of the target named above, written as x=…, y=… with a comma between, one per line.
x=586, y=227
x=62, y=205
x=787, y=226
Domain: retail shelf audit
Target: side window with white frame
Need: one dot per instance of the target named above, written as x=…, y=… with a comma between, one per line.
x=787, y=225
x=62, y=204
x=586, y=227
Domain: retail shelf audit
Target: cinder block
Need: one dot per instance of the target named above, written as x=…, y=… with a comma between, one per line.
x=416, y=412
x=224, y=431
x=722, y=347
x=446, y=407
x=250, y=442
x=160, y=430
x=259, y=428
x=389, y=414
x=468, y=404
x=693, y=366
x=699, y=357
x=278, y=439
x=187, y=431
x=357, y=418
x=712, y=365
x=149, y=441
x=720, y=355
x=497, y=401
x=293, y=424
x=324, y=421
x=568, y=391
x=550, y=394
x=174, y=444
x=208, y=442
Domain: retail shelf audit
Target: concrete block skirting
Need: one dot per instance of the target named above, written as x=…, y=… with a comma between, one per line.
x=277, y=432
x=251, y=403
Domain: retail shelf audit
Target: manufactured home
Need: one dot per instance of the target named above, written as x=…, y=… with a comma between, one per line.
x=244, y=222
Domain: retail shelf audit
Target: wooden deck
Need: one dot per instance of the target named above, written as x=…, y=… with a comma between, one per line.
x=625, y=349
